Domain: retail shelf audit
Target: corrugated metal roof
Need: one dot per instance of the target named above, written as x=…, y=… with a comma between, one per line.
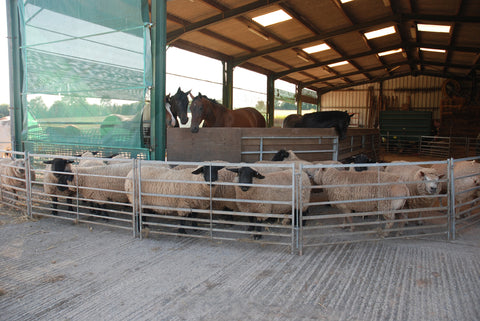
x=224, y=29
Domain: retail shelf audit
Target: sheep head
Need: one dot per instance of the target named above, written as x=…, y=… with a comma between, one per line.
x=246, y=175
x=59, y=165
x=210, y=173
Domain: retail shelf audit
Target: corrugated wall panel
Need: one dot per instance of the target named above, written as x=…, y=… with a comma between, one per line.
x=425, y=95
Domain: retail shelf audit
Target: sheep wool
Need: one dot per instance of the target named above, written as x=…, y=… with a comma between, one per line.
x=364, y=190
x=164, y=187
x=109, y=178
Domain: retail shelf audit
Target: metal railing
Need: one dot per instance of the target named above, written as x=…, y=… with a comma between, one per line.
x=435, y=146
x=273, y=215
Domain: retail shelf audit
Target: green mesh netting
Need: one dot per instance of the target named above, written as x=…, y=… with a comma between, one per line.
x=86, y=68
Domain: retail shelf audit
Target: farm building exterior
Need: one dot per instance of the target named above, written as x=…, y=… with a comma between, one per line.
x=409, y=68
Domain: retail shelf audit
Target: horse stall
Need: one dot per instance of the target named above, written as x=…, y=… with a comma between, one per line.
x=254, y=144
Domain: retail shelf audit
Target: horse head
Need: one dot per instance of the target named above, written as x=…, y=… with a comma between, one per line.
x=179, y=103
x=197, y=109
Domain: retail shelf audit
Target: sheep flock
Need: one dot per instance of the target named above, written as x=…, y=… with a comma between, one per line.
x=253, y=199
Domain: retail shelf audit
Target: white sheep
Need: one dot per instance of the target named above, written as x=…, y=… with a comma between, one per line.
x=363, y=186
x=174, y=191
x=101, y=184
x=87, y=160
x=279, y=189
x=58, y=172
x=466, y=181
x=12, y=175
x=420, y=181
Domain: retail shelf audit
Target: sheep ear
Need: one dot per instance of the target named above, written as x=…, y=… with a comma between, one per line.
x=235, y=170
x=48, y=162
x=258, y=175
x=70, y=161
x=441, y=176
x=422, y=174
x=198, y=171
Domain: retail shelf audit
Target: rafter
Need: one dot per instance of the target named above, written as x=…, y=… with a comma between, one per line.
x=224, y=15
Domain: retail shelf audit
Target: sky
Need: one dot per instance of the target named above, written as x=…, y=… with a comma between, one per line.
x=4, y=83
x=183, y=70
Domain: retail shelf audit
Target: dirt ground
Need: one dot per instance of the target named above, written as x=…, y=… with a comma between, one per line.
x=56, y=270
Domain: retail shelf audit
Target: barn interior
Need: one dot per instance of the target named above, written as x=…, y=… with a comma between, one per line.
x=402, y=67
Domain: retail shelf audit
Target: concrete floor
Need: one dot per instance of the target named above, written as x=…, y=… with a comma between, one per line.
x=55, y=270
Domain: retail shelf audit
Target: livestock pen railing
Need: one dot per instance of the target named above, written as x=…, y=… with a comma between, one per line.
x=435, y=146
x=275, y=213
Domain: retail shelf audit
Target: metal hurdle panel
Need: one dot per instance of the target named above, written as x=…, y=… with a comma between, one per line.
x=216, y=216
x=14, y=180
x=326, y=223
x=73, y=204
x=465, y=193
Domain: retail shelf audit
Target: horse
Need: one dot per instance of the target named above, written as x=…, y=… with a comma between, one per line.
x=291, y=120
x=340, y=120
x=214, y=114
x=179, y=105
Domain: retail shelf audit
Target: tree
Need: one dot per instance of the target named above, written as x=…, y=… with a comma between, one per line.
x=261, y=107
x=4, y=110
x=37, y=107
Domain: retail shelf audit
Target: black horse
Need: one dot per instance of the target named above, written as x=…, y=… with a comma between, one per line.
x=340, y=120
x=179, y=105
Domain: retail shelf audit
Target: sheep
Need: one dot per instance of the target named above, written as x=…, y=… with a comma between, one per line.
x=58, y=172
x=101, y=184
x=225, y=192
x=262, y=195
x=362, y=186
x=187, y=188
x=287, y=157
x=359, y=159
x=466, y=181
x=12, y=175
x=420, y=181
x=86, y=160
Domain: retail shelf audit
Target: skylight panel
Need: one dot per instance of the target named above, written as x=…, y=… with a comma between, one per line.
x=380, y=32
x=316, y=48
x=341, y=63
x=433, y=50
x=390, y=52
x=272, y=18
x=345, y=1
x=433, y=28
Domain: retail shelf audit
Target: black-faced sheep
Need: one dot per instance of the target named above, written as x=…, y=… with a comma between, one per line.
x=420, y=181
x=359, y=159
x=58, y=173
x=261, y=199
x=166, y=190
x=364, y=186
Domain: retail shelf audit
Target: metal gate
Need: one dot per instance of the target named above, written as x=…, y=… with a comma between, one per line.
x=274, y=214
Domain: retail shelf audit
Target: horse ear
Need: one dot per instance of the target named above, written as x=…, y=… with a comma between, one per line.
x=190, y=94
x=179, y=90
x=351, y=115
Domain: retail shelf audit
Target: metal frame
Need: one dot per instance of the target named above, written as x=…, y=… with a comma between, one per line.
x=322, y=228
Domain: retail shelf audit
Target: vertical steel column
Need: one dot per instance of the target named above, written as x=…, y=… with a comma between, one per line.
x=227, y=84
x=298, y=99
x=319, y=100
x=15, y=75
x=451, y=199
x=159, y=42
x=270, y=100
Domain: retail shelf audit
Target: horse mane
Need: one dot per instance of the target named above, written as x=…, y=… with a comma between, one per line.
x=209, y=99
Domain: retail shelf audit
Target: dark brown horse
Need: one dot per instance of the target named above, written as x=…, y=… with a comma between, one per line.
x=214, y=114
